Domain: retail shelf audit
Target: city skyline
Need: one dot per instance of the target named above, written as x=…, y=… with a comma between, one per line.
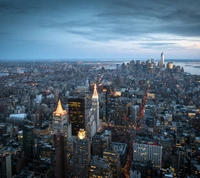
x=99, y=29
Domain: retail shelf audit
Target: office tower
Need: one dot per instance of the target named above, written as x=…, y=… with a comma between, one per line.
x=181, y=161
x=121, y=149
x=150, y=151
x=81, y=155
x=162, y=60
x=5, y=166
x=67, y=129
x=97, y=143
x=77, y=114
x=59, y=118
x=104, y=103
x=99, y=167
x=56, y=94
x=87, y=84
x=106, y=138
x=112, y=157
x=61, y=154
x=28, y=142
x=150, y=123
x=134, y=114
x=95, y=106
x=100, y=142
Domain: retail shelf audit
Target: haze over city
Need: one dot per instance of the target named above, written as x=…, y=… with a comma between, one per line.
x=99, y=29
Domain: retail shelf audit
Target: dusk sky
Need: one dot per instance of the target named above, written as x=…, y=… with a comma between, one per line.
x=91, y=29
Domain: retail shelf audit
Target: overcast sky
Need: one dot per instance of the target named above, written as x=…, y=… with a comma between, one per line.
x=82, y=29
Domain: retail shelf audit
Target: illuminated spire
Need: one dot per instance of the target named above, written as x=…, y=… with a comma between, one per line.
x=81, y=134
x=59, y=110
x=95, y=94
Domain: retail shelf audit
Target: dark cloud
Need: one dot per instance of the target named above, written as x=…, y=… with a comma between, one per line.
x=129, y=19
x=150, y=24
x=11, y=8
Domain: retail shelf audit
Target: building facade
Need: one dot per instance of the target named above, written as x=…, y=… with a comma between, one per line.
x=81, y=155
x=60, y=117
x=76, y=114
x=144, y=152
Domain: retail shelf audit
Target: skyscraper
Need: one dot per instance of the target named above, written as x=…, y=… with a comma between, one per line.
x=61, y=121
x=99, y=167
x=77, y=114
x=95, y=106
x=162, y=59
x=134, y=113
x=113, y=158
x=81, y=155
x=61, y=154
x=59, y=118
x=28, y=142
x=5, y=166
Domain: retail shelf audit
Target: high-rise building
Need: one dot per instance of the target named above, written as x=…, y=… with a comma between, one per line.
x=162, y=59
x=59, y=118
x=134, y=114
x=81, y=155
x=121, y=149
x=144, y=152
x=113, y=158
x=76, y=114
x=97, y=143
x=100, y=142
x=61, y=154
x=104, y=99
x=5, y=166
x=28, y=142
x=99, y=167
x=95, y=106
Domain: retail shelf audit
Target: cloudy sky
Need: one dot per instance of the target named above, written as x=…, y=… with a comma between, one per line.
x=92, y=29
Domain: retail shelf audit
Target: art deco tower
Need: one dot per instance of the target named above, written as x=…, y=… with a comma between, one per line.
x=95, y=106
x=59, y=118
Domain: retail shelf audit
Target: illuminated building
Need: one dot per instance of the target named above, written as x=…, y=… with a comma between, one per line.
x=77, y=114
x=59, y=118
x=61, y=154
x=170, y=65
x=149, y=151
x=95, y=106
x=93, y=122
x=81, y=155
x=104, y=101
x=99, y=167
x=112, y=157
